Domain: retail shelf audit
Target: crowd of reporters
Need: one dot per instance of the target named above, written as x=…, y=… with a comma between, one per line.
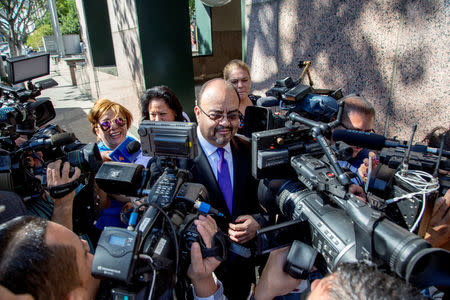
x=47, y=260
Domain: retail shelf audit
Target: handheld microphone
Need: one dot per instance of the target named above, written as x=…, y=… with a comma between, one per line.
x=375, y=141
x=133, y=147
x=127, y=151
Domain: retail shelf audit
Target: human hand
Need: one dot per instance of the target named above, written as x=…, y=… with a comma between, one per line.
x=244, y=229
x=6, y=294
x=438, y=231
x=57, y=176
x=201, y=269
x=274, y=281
x=105, y=155
x=62, y=211
x=363, y=170
x=358, y=192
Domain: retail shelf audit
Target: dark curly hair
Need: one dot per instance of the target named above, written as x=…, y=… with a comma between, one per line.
x=165, y=93
x=434, y=137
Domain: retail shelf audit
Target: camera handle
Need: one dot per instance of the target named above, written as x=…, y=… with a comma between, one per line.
x=317, y=131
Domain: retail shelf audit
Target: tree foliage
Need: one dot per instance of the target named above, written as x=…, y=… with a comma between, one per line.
x=191, y=10
x=68, y=23
x=35, y=39
x=68, y=16
x=18, y=18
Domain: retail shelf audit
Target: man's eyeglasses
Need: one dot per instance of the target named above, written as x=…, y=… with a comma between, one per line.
x=216, y=117
x=368, y=130
x=106, y=125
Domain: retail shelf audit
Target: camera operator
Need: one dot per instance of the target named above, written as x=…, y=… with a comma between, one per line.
x=359, y=115
x=57, y=262
x=63, y=207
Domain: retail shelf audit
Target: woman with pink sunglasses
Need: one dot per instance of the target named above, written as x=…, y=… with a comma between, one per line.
x=110, y=122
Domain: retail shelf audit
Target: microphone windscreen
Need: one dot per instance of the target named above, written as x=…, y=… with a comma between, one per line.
x=133, y=147
x=62, y=138
x=360, y=138
x=267, y=101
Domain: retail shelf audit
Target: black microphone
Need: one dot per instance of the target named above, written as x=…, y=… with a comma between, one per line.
x=133, y=147
x=375, y=141
x=361, y=139
x=267, y=101
x=55, y=140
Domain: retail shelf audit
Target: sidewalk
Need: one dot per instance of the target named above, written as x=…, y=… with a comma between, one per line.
x=72, y=108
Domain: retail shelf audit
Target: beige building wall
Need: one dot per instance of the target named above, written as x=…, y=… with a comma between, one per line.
x=395, y=53
x=122, y=83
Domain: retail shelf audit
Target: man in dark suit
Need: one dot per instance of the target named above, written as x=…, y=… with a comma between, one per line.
x=223, y=166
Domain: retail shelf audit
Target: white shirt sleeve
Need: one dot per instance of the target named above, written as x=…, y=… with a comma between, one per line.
x=218, y=295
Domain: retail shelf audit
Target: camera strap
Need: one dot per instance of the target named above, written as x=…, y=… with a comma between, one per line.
x=218, y=247
x=62, y=190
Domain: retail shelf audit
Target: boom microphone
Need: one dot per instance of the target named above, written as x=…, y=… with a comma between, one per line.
x=375, y=141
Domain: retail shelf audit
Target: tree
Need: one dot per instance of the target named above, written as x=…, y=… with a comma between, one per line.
x=68, y=23
x=68, y=16
x=18, y=18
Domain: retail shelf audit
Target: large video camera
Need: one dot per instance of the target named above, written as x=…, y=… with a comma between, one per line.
x=144, y=260
x=331, y=224
x=389, y=180
x=20, y=111
x=287, y=96
x=24, y=138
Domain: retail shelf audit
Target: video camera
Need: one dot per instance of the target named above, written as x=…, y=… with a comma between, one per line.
x=22, y=117
x=20, y=111
x=331, y=224
x=144, y=260
x=389, y=181
x=288, y=96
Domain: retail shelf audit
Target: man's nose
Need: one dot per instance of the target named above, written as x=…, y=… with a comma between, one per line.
x=225, y=120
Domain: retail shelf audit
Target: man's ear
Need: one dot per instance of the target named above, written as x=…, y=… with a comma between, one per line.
x=197, y=113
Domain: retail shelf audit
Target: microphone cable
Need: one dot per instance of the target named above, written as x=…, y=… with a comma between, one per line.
x=424, y=183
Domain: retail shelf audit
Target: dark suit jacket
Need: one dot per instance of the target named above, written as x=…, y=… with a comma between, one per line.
x=236, y=273
x=245, y=200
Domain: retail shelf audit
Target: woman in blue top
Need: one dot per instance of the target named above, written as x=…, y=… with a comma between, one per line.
x=110, y=122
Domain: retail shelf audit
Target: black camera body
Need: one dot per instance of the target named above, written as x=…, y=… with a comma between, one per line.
x=338, y=225
x=159, y=238
x=287, y=96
